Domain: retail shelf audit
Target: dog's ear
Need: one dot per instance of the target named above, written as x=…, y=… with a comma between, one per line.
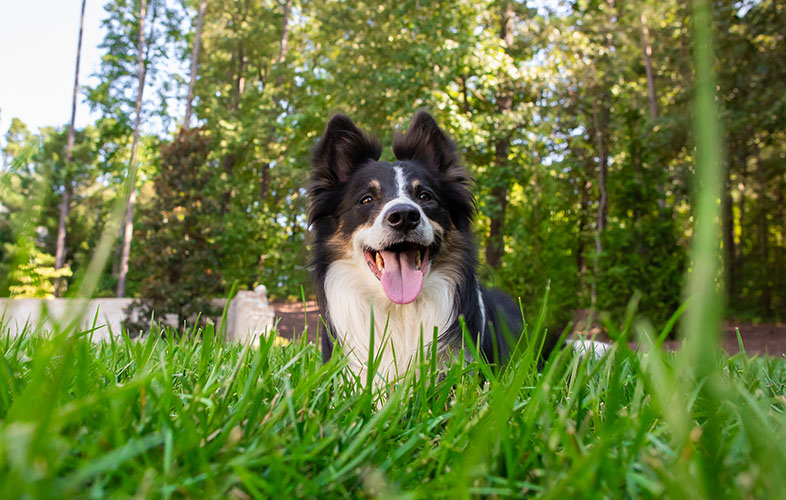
x=425, y=142
x=342, y=148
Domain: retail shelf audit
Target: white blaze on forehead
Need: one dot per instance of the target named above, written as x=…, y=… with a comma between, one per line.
x=401, y=183
x=401, y=194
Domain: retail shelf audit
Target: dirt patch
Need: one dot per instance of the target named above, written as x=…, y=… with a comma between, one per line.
x=756, y=338
x=293, y=317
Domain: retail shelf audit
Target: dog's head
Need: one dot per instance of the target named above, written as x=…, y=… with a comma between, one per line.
x=395, y=217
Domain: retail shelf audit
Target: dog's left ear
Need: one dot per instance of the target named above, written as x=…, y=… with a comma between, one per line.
x=424, y=141
x=342, y=148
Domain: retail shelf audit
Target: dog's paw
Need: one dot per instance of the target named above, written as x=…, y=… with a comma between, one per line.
x=592, y=348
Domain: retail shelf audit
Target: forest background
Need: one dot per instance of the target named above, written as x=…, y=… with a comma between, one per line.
x=575, y=118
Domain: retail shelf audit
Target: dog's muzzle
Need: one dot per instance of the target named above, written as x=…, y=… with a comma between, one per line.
x=396, y=249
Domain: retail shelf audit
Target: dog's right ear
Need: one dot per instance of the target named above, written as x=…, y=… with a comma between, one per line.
x=424, y=141
x=343, y=148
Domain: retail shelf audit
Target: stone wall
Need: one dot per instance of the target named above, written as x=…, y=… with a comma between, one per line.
x=249, y=314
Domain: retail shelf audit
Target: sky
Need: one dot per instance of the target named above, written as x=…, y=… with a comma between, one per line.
x=38, y=41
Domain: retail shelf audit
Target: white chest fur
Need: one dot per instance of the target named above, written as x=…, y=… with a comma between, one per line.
x=351, y=291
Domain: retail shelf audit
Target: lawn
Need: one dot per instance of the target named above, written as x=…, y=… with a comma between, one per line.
x=173, y=416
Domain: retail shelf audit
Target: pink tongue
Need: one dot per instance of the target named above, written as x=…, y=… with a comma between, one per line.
x=401, y=280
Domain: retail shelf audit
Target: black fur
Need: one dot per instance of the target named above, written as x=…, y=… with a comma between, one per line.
x=343, y=161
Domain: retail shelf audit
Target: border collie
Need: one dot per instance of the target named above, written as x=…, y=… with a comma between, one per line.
x=396, y=238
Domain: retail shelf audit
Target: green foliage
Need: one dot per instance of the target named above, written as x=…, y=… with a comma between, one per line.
x=31, y=191
x=35, y=276
x=540, y=99
x=642, y=257
x=176, y=239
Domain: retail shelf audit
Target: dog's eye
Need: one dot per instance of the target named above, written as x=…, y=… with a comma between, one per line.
x=366, y=200
x=424, y=196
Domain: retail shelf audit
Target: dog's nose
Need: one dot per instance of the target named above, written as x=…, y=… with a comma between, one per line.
x=403, y=217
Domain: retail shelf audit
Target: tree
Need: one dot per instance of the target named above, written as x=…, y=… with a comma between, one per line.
x=574, y=117
x=504, y=101
x=60, y=251
x=135, y=81
x=178, y=233
x=194, y=62
x=248, y=99
x=36, y=277
x=31, y=199
x=129, y=216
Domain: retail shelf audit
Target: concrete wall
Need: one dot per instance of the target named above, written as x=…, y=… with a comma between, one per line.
x=249, y=314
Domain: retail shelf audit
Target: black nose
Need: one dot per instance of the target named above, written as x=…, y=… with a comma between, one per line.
x=403, y=217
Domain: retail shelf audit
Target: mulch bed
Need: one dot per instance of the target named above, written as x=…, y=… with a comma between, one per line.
x=292, y=316
x=756, y=338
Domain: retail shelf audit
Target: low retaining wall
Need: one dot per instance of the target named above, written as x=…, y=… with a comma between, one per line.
x=249, y=314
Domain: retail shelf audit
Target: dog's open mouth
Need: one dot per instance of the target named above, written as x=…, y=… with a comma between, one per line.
x=400, y=268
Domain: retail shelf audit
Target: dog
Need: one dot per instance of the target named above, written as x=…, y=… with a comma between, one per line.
x=395, y=238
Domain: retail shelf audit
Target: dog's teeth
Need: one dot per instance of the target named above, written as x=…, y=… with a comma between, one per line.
x=380, y=262
x=417, y=260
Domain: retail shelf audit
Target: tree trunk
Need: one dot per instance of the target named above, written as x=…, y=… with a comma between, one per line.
x=647, y=49
x=602, y=174
x=265, y=187
x=766, y=278
x=651, y=92
x=782, y=248
x=239, y=61
x=495, y=247
x=584, y=201
x=128, y=229
x=229, y=160
x=284, y=42
x=125, y=252
x=728, y=240
x=194, y=63
x=282, y=56
x=228, y=164
x=602, y=198
x=240, y=79
x=118, y=247
x=764, y=244
x=60, y=247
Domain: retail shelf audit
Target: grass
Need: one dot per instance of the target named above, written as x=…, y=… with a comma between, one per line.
x=174, y=416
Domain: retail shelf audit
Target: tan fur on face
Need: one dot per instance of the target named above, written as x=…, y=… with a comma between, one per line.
x=451, y=244
x=338, y=244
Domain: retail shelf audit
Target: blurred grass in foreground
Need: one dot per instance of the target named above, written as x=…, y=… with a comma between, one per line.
x=166, y=416
x=173, y=416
